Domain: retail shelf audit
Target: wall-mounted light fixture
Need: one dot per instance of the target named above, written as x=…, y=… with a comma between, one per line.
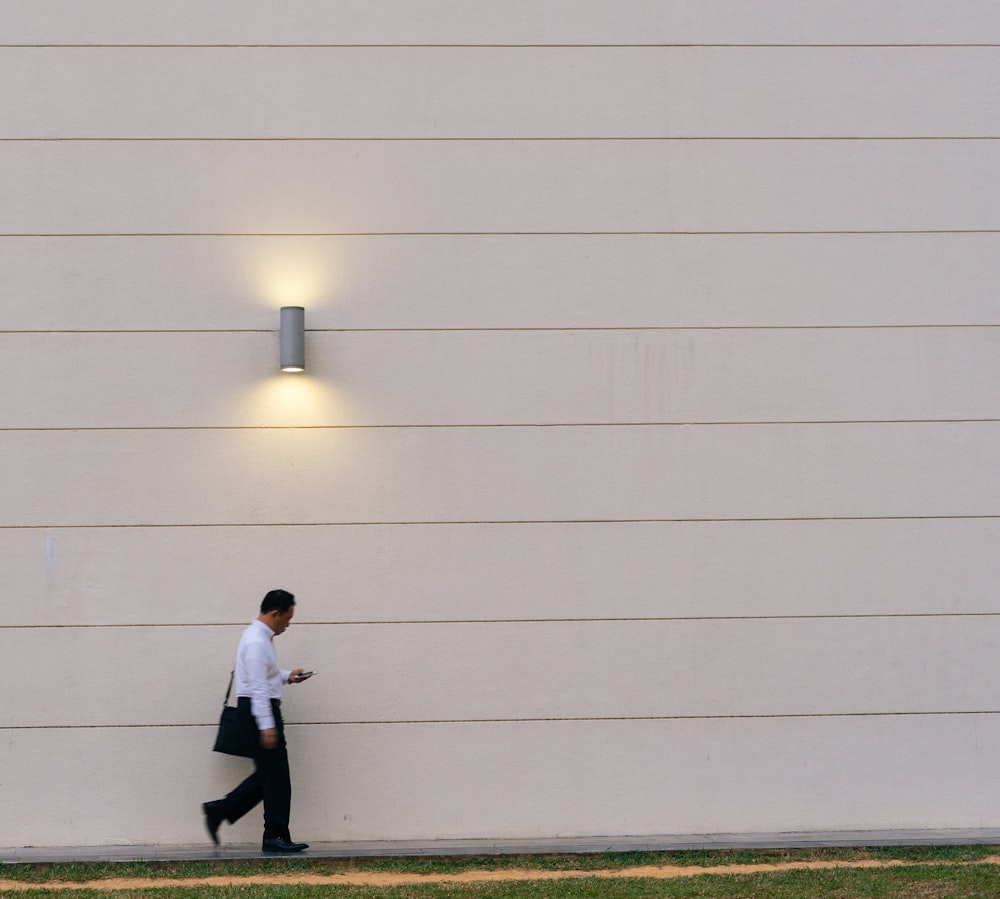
x=293, y=338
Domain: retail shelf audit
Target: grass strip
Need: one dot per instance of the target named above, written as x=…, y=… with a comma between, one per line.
x=933, y=881
x=83, y=872
x=943, y=868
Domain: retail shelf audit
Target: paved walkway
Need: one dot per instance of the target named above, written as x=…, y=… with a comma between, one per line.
x=387, y=848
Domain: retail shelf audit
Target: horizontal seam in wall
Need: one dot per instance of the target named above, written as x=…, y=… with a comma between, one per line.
x=564, y=329
x=525, y=720
x=504, y=426
x=493, y=46
x=505, y=140
x=499, y=522
x=584, y=718
x=480, y=621
x=643, y=233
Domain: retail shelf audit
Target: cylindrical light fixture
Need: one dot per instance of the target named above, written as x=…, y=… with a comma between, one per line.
x=293, y=338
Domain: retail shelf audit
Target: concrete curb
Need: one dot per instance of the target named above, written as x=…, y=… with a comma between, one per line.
x=527, y=846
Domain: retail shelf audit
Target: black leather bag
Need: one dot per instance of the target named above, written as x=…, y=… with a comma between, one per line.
x=233, y=737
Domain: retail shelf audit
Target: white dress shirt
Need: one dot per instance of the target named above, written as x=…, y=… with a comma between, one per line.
x=257, y=673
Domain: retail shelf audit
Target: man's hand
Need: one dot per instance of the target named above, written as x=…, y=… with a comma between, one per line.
x=295, y=677
x=269, y=738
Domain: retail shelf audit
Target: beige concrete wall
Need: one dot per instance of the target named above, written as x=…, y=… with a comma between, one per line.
x=643, y=478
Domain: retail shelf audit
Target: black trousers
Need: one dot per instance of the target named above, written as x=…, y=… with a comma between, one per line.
x=271, y=780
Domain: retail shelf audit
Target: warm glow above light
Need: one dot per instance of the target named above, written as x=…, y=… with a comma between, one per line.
x=290, y=272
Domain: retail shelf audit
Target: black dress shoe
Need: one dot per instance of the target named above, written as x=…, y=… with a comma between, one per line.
x=280, y=844
x=213, y=818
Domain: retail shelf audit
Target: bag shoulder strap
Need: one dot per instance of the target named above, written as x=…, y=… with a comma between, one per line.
x=229, y=689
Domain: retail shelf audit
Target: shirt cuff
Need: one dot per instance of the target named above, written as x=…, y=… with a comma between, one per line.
x=262, y=714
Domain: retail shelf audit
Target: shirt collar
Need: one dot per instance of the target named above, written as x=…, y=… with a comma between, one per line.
x=267, y=630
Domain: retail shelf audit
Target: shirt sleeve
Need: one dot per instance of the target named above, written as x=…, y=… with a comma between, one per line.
x=260, y=700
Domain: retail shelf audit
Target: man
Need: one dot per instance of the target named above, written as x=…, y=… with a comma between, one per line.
x=258, y=682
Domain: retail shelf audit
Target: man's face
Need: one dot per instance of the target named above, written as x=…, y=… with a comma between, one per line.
x=280, y=621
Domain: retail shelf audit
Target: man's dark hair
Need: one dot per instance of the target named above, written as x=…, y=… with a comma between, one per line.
x=281, y=600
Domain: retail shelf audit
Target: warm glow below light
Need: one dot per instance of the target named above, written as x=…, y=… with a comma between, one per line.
x=292, y=403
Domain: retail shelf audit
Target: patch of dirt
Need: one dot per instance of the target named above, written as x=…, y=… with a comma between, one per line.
x=390, y=878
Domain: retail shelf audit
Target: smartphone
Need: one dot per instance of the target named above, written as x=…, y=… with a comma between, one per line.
x=306, y=674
